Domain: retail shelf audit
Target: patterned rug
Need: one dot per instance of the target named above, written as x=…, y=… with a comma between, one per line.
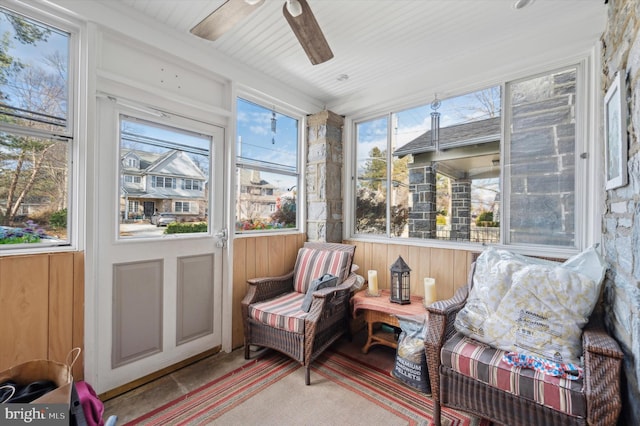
x=271, y=390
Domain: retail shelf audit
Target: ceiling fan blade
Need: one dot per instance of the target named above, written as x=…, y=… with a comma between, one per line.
x=224, y=18
x=309, y=34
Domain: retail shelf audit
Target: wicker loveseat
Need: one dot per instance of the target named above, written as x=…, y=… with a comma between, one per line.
x=272, y=309
x=472, y=376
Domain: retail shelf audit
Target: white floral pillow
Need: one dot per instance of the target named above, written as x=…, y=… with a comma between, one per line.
x=491, y=282
x=544, y=311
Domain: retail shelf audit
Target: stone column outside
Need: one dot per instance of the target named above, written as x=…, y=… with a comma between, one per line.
x=422, y=187
x=461, y=210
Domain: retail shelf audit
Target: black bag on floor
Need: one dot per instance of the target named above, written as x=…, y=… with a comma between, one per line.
x=411, y=359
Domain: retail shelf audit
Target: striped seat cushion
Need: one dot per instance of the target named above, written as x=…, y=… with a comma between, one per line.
x=284, y=312
x=484, y=363
x=313, y=263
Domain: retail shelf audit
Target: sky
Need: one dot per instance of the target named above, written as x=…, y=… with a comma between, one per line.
x=33, y=55
x=412, y=122
x=257, y=142
x=258, y=145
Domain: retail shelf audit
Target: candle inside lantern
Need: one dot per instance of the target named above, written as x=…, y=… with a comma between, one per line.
x=373, y=282
x=429, y=291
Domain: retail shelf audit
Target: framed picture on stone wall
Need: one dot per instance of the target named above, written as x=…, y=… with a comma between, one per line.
x=615, y=133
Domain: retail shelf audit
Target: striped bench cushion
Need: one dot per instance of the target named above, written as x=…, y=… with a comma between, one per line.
x=284, y=312
x=313, y=263
x=484, y=363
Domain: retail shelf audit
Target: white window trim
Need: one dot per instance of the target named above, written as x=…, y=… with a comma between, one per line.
x=78, y=104
x=588, y=172
x=301, y=203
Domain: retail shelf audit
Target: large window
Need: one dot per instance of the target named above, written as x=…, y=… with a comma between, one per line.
x=469, y=179
x=36, y=133
x=443, y=186
x=267, y=169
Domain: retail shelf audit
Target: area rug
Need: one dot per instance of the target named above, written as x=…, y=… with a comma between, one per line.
x=270, y=390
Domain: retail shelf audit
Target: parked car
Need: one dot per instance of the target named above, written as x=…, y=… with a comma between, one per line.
x=163, y=219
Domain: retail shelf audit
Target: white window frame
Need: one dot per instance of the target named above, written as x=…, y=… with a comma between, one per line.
x=588, y=165
x=300, y=165
x=76, y=124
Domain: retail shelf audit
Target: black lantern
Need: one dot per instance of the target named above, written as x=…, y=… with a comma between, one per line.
x=400, y=276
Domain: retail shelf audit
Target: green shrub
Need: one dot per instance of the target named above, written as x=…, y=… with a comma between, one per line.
x=186, y=228
x=486, y=219
x=58, y=219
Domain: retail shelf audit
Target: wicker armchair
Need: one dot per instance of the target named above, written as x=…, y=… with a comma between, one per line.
x=272, y=308
x=596, y=400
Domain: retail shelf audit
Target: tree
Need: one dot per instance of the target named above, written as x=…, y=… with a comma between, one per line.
x=286, y=213
x=372, y=194
x=487, y=105
x=375, y=170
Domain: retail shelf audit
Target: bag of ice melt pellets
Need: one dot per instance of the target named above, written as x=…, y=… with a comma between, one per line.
x=411, y=360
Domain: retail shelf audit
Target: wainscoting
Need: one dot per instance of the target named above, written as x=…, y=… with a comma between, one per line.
x=449, y=267
x=253, y=257
x=46, y=292
x=42, y=306
x=275, y=255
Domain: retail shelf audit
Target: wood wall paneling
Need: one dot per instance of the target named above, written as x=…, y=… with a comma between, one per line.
x=44, y=294
x=78, y=313
x=241, y=247
x=260, y=256
x=448, y=267
x=24, y=297
x=60, y=315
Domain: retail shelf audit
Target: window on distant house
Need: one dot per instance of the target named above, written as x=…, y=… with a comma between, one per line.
x=134, y=206
x=162, y=182
x=36, y=135
x=267, y=170
x=411, y=184
x=166, y=155
x=182, y=207
x=191, y=184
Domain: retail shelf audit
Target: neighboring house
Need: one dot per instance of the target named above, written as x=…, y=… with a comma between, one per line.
x=257, y=199
x=169, y=182
x=465, y=153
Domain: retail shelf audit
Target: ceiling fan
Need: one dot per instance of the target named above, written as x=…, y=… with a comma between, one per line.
x=298, y=15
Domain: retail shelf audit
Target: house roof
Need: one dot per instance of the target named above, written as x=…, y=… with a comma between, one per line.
x=475, y=132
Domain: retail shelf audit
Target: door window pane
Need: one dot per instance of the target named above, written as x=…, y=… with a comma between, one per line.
x=165, y=162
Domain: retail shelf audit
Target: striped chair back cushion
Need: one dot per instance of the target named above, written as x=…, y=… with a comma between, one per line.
x=312, y=263
x=351, y=249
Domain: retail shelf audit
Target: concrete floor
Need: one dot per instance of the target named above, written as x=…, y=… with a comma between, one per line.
x=146, y=398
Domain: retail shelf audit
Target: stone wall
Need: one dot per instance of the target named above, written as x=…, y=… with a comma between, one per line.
x=621, y=222
x=324, y=177
x=542, y=165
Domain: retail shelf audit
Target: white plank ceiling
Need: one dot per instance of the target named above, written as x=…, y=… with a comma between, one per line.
x=391, y=45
